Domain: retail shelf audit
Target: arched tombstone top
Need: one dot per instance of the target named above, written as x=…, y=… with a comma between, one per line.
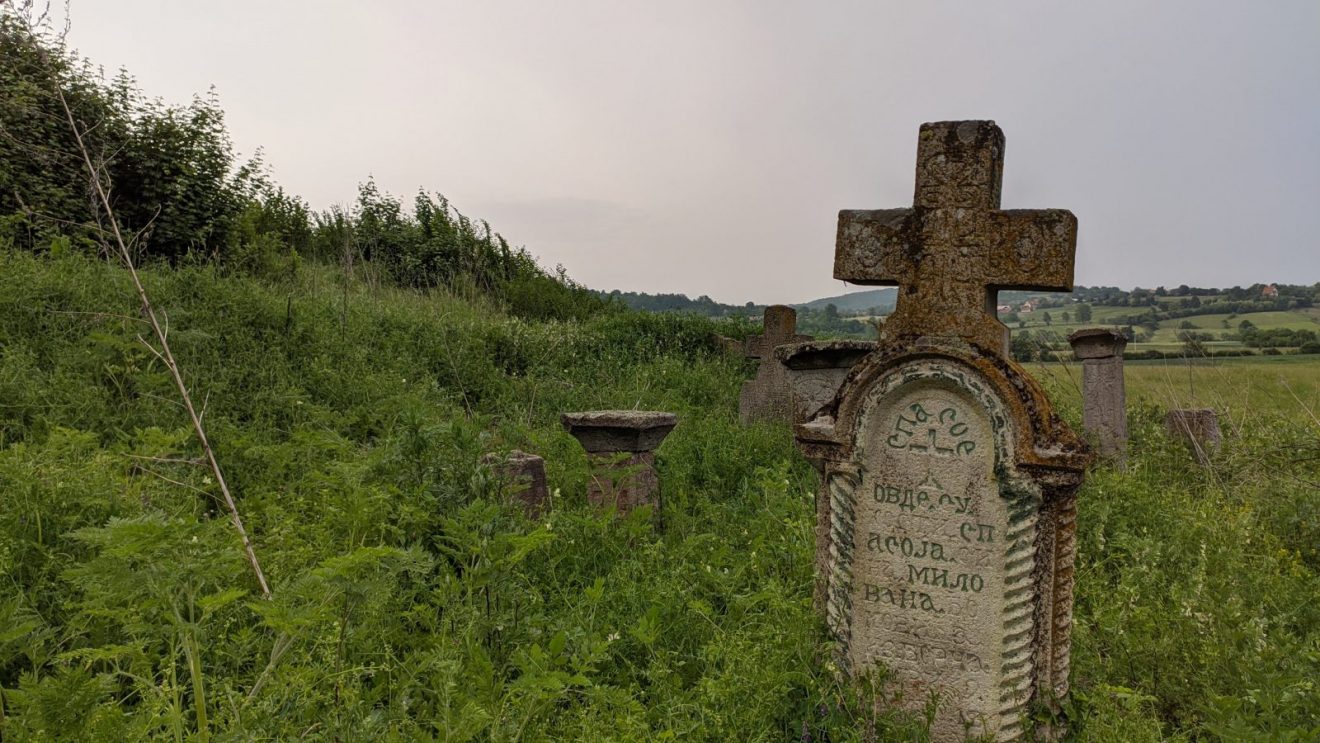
x=1043, y=442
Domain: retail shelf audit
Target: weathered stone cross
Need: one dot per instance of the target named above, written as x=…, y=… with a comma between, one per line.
x=955, y=249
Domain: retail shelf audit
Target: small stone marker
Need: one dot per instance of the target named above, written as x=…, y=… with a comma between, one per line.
x=816, y=370
x=1104, y=401
x=526, y=473
x=952, y=483
x=768, y=396
x=621, y=447
x=1199, y=428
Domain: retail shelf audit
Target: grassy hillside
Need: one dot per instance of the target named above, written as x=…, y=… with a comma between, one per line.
x=411, y=603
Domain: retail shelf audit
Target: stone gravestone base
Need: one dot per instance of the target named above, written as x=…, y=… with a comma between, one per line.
x=816, y=370
x=620, y=447
x=526, y=475
x=1198, y=428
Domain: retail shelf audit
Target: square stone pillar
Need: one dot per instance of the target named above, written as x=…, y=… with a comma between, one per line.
x=1104, y=399
x=621, y=446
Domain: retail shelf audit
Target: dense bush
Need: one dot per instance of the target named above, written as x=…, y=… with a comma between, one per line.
x=181, y=192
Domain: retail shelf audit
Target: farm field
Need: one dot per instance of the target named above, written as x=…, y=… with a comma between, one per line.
x=1239, y=387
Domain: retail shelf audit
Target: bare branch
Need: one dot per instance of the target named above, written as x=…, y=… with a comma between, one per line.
x=164, y=352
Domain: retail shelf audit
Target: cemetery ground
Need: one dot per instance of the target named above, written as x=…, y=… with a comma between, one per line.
x=411, y=601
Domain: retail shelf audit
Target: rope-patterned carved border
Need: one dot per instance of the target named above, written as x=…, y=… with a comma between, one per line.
x=842, y=484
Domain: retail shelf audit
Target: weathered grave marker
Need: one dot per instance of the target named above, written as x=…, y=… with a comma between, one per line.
x=1198, y=428
x=1104, y=400
x=525, y=473
x=768, y=396
x=952, y=483
x=621, y=448
x=816, y=370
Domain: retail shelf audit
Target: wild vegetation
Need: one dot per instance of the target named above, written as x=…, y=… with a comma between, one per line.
x=351, y=395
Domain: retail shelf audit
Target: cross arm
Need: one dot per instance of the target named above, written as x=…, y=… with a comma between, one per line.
x=1030, y=249
x=872, y=243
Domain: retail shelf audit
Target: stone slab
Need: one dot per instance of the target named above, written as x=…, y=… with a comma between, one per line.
x=619, y=430
x=1104, y=395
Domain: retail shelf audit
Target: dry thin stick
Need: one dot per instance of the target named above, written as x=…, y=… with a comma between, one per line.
x=164, y=351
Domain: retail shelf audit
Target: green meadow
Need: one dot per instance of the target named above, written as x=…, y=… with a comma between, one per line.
x=412, y=601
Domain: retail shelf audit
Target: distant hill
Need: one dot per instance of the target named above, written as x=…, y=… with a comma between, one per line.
x=855, y=302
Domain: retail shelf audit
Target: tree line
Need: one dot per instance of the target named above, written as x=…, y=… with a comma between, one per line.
x=185, y=195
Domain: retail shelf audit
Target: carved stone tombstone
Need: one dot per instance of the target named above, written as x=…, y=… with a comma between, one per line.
x=952, y=483
x=525, y=475
x=1198, y=428
x=768, y=396
x=621, y=448
x=1104, y=400
x=816, y=370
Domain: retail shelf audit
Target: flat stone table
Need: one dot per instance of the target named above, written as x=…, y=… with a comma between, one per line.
x=1104, y=399
x=621, y=446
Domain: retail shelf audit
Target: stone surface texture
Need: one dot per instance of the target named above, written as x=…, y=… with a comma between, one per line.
x=1198, y=428
x=768, y=396
x=619, y=430
x=525, y=475
x=1104, y=397
x=816, y=370
x=952, y=483
x=620, y=447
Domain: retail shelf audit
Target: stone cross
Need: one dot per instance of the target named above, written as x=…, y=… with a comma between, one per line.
x=1104, y=400
x=621, y=448
x=952, y=251
x=952, y=484
x=769, y=396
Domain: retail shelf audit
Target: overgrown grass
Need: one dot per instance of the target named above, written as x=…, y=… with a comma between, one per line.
x=411, y=602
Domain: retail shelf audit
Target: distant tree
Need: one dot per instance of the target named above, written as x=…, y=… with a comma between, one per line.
x=831, y=313
x=1083, y=313
x=1067, y=318
x=1046, y=317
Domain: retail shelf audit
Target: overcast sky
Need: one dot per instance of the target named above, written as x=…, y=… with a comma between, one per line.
x=706, y=147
